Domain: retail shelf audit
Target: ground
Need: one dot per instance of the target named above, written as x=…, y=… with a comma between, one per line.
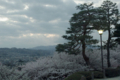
x=115, y=78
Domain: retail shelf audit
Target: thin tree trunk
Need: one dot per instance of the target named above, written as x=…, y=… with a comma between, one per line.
x=108, y=50
x=84, y=55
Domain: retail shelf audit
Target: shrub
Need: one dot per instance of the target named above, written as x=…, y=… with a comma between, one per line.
x=118, y=67
x=110, y=72
x=98, y=74
x=74, y=76
x=86, y=74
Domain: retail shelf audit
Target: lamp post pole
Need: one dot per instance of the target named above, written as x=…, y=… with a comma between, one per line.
x=103, y=70
x=101, y=51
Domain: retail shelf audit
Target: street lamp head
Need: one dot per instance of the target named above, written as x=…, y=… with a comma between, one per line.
x=100, y=32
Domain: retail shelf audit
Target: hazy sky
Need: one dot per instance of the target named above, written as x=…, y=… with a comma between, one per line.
x=30, y=23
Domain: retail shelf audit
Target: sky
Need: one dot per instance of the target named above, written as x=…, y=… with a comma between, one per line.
x=31, y=23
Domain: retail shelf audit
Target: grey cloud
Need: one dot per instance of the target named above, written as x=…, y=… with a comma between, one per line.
x=11, y=6
x=39, y=13
x=43, y=21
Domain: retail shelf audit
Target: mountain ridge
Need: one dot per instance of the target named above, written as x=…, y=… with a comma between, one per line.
x=51, y=47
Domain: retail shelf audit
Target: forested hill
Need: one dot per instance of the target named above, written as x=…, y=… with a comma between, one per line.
x=11, y=56
x=23, y=51
x=51, y=48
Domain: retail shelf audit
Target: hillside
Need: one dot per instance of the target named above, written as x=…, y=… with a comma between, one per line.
x=12, y=56
x=52, y=48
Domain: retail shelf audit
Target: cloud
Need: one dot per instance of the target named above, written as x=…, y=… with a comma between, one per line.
x=30, y=23
x=26, y=40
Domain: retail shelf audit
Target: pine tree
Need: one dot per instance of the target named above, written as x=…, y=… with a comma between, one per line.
x=79, y=33
x=111, y=13
x=117, y=33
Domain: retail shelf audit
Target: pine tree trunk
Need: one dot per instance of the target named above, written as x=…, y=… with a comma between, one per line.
x=108, y=50
x=84, y=55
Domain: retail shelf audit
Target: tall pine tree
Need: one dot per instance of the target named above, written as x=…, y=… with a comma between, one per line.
x=111, y=13
x=78, y=35
x=117, y=33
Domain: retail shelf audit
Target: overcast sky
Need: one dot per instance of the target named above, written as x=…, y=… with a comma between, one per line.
x=31, y=23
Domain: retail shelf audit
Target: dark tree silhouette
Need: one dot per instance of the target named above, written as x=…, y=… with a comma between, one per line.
x=79, y=33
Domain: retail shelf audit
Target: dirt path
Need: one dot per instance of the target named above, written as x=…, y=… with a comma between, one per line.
x=115, y=78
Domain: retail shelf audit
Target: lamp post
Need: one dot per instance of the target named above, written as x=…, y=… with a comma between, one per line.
x=100, y=33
